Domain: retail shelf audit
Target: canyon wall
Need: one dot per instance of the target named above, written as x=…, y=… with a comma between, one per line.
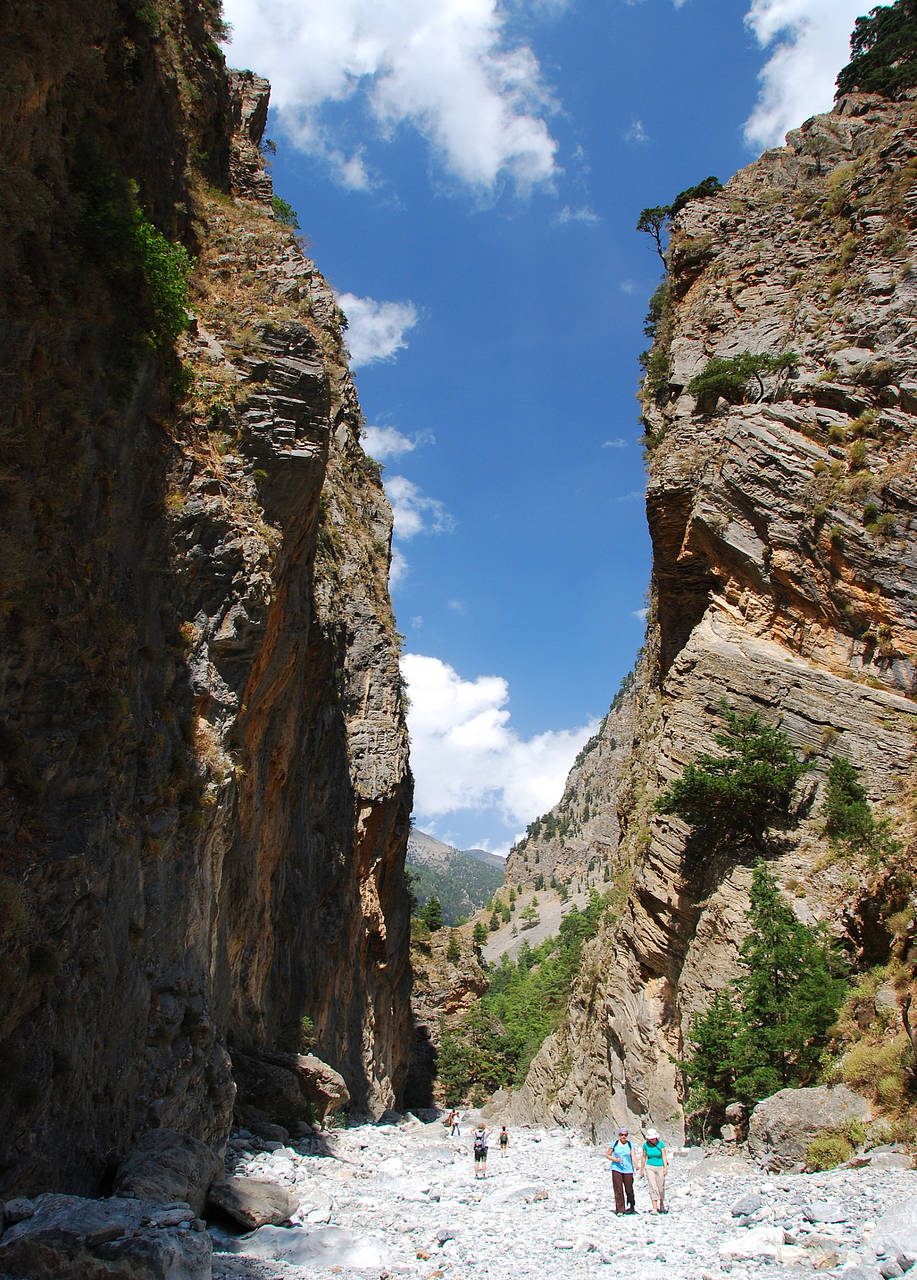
x=784, y=557
x=204, y=782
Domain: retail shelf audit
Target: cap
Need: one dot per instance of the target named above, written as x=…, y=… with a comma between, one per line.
x=622, y=1131
x=652, y=1134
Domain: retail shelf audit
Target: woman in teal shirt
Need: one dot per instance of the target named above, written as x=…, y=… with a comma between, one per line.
x=654, y=1168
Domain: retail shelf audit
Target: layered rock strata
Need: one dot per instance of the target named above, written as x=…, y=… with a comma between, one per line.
x=784, y=582
x=204, y=787
x=578, y=840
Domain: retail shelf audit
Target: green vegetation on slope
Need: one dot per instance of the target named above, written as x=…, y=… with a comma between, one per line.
x=768, y=1029
x=462, y=889
x=494, y=1045
x=884, y=49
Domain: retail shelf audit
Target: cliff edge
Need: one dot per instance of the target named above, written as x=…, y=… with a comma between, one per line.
x=782, y=516
x=204, y=782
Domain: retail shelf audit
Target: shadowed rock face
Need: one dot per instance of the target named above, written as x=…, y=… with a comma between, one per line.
x=204, y=787
x=783, y=581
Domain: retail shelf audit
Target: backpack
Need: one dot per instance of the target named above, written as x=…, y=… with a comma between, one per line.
x=480, y=1144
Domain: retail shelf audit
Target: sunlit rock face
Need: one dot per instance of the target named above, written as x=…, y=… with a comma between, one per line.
x=783, y=582
x=204, y=784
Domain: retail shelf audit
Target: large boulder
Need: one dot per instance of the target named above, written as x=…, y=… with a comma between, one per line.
x=286, y=1086
x=251, y=1202
x=895, y=1237
x=166, y=1166
x=783, y=1125
x=117, y=1239
x=328, y=1248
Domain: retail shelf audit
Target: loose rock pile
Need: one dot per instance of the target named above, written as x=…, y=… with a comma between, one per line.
x=402, y=1200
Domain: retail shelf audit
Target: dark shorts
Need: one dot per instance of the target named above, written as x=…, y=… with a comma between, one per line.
x=480, y=1155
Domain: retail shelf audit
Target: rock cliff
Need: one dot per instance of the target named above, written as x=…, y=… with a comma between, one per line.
x=579, y=838
x=784, y=545
x=204, y=784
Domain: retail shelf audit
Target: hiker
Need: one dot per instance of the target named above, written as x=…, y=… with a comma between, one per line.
x=621, y=1158
x=504, y=1142
x=654, y=1168
x=454, y=1130
x=481, y=1134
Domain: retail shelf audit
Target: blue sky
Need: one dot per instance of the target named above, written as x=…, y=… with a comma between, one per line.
x=468, y=177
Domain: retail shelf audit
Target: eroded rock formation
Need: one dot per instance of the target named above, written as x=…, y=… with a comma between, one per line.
x=204, y=787
x=783, y=580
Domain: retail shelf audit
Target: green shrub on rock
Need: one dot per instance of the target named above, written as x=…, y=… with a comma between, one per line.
x=827, y=1150
x=729, y=378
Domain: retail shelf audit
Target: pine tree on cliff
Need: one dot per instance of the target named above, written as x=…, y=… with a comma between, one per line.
x=790, y=994
x=732, y=800
x=766, y=1031
x=884, y=49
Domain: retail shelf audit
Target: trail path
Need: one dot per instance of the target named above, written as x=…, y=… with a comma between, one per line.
x=403, y=1201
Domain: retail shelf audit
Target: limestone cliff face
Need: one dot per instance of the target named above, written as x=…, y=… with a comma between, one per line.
x=580, y=837
x=204, y=787
x=448, y=978
x=784, y=578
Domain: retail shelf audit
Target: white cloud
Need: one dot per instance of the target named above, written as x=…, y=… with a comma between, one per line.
x=642, y=614
x=447, y=68
x=383, y=443
x=630, y=497
x=627, y=286
x=620, y=443
x=350, y=171
x=466, y=754
x=414, y=512
x=375, y=330
x=809, y=42
x=398, y=570
x=636, y=133
x=581, y=214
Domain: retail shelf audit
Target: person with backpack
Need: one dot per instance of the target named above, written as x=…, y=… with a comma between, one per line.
x=654, y=1168
x=481, y=1134
x=621, y=1159
x=504, y=1142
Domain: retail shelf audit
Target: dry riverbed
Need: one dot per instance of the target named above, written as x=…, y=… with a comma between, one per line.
x=401, y=1200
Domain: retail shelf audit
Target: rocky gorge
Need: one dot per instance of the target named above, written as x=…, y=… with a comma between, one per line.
x=204, y=779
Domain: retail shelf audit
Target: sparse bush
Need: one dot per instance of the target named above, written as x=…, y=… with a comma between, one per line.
x=849, y=818
x=420, y=931
x=856, y=455
x=284, y=212
x=501, y=1033
x=729, y=378
x=827, y=1150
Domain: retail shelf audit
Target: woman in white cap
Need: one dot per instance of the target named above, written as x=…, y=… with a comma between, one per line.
x=654, y=1168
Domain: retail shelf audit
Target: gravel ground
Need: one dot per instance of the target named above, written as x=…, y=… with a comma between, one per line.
x=392, y=1200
